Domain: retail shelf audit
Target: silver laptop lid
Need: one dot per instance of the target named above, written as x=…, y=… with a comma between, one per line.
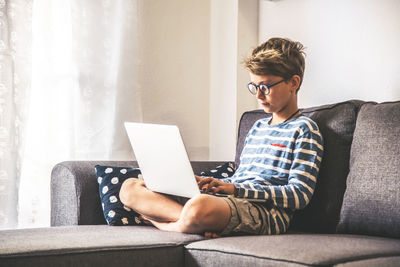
x=162, y=158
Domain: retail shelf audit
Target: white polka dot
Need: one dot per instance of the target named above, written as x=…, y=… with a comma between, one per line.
x=114, y=180
x=229, y=169
x=224, y=174
x=127, y=208
x=108, y=170
x=111, y=213
x=105, y=189
x=137, y=220
x=125, y=220
x=123, y=171
x=213, y=170
x=102, y=204
x=99, y=180
x=113, y=199
x=219, y=166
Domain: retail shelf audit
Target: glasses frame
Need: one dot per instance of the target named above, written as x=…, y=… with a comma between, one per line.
x=264, y=88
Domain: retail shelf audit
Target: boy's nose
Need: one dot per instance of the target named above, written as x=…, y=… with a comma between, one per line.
x=260, y=94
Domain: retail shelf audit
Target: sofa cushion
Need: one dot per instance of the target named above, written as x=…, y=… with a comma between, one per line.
x=372, y=199
x=289, y=250
x=383, y=261
x=110, y=179
x=98, y=245
x=336, y=123
x=221, y=171
x=75, y=191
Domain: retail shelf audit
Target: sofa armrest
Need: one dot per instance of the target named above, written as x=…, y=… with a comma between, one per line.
x=75, y=194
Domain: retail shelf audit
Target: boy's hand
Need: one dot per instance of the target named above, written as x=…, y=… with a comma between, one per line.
x=209, y=184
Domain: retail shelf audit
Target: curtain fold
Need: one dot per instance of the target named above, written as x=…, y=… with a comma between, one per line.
x=15, y=84
x=79, y=87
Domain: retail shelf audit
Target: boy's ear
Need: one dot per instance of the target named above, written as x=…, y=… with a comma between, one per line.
x=295, y=82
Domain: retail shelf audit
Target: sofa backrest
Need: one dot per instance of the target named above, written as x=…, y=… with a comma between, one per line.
x=336, y=123
x=371, y=203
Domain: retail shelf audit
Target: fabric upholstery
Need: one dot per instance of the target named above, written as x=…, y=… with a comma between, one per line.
x=289, y=250
x=382, y=262
x=336, y=123
x=221, y=171
x=75, y=192
x=98, y=245
x=110, y=179
x=372, y=199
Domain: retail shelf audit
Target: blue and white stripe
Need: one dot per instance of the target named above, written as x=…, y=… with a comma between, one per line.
x=280, y=163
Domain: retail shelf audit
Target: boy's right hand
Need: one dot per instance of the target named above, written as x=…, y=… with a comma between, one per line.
x=210, y=184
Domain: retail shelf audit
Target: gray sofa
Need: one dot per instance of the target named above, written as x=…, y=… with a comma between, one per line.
x=353, y=218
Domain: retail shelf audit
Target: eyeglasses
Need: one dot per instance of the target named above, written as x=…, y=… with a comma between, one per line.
x=264, y=88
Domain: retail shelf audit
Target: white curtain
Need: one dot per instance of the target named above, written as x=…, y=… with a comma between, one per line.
x=15, y=82
x=80, y=88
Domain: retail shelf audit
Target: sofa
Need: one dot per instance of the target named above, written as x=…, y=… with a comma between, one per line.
x=353, y=218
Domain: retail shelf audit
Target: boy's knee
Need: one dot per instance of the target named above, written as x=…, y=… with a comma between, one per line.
x=196, y=212
x=127, y=191
x=205, y=213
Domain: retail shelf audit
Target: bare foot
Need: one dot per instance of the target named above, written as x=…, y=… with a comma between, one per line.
x=144, y=220
x=165, y=226
x=211, y=235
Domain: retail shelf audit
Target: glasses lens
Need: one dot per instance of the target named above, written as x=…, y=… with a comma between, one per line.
x=264, y=88
x=252, y=88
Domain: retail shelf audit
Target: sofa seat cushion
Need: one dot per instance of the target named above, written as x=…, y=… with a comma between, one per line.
x=99, y=245
x=380, y=262
x=289, y=250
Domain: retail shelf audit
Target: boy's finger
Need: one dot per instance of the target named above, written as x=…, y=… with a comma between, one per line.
x=198, y=178
x=213, y=186
x=203, y=181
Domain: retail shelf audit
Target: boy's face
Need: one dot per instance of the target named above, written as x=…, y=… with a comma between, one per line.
x=281, y=97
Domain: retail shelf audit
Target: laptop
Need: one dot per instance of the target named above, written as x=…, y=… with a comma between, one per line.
x=162, y=159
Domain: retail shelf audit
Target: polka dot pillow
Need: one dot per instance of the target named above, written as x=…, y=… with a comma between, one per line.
x=223, y=171
x=110, y=180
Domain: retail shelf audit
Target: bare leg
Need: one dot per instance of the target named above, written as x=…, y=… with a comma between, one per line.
x=203, y=213
x=151, y=205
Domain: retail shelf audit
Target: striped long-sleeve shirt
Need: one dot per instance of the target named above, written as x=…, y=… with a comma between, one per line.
x=280, y=163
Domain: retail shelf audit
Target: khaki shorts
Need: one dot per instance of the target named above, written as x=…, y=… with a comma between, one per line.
x=246, y=217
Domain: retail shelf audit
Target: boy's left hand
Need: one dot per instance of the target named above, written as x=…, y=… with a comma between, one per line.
x=209, y=184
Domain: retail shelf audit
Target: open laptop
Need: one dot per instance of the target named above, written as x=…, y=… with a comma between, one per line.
x=162, y=159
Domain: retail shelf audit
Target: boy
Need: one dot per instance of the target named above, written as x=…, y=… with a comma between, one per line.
x=279, y=163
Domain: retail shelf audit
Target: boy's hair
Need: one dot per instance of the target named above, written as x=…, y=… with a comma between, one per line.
x=278, y=56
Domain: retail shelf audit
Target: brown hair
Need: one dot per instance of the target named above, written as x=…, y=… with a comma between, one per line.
x=278, y=56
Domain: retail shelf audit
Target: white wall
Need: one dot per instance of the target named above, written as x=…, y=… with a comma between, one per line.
x=190, y=71
x=223, y=76
x=174, y=68
x=352, y=46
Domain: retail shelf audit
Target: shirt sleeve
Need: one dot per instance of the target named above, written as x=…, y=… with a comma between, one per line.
x=226, y=180
x=303, y=173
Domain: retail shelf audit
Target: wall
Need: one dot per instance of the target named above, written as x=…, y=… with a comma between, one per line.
x=352, y=46
x=223, y=59
x=174, y=68
x=234, y=32
x=190, y=71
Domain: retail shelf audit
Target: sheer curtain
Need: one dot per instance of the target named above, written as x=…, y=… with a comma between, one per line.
x=82, y=88
x=15, y=82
